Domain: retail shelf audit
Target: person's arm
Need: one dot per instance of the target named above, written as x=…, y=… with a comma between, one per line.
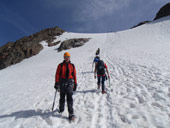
x=95, y=72
x=57, y=75
x=75, y=78
x=57, y=78
x=107, y=71
x=93, y=62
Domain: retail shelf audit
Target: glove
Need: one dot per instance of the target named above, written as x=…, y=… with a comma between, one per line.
x=56, y=86
x=75, y=87
x=95, y=76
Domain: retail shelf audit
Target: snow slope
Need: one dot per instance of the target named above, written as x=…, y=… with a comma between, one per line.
x=138, y=96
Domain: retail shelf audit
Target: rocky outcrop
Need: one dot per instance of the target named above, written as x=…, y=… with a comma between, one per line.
x=53, y=44
x=14, y=52
x=72, y=43
x=164, y=11
x=141, y=23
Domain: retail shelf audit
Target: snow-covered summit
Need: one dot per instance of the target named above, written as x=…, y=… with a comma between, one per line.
x=138, y=96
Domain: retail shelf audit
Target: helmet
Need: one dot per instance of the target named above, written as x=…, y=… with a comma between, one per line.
x=66, y=54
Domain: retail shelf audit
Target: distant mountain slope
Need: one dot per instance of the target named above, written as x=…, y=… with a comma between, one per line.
x=14, y=52
x=163, y=12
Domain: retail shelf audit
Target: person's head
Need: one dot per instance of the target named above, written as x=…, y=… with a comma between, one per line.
x=67, y=56
x=96, y=59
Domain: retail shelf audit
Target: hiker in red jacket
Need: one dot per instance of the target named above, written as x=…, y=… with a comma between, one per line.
x=66, y=83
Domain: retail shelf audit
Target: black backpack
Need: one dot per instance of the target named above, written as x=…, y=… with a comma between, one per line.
x=100, y=68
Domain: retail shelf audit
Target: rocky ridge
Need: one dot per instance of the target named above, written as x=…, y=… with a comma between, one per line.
x=164, y=11
x=15, y=52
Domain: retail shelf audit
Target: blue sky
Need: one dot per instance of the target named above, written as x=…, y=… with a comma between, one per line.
x=19, y=18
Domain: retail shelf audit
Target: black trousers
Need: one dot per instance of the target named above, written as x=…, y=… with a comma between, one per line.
x=101, y=79
x=66, y=90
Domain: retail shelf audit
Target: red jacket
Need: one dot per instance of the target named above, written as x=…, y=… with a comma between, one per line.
x=61, y=72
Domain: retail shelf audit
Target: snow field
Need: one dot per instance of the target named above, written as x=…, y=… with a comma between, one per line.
x=138, y=95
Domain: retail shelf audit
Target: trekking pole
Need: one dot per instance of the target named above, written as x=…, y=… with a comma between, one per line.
x=109, y=81
x=54, y=100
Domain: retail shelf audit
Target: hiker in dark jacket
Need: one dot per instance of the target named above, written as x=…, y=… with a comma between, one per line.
x=101, y=75
x=98, y=52
x=66, y=82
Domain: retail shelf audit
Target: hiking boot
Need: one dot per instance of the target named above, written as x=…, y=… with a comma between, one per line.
x=103, y=92
x=98, y=87
x=71, y=117
x=60, y=111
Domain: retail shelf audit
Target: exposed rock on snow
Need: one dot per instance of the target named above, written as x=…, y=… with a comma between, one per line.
x=164, y=11
x=72, y=43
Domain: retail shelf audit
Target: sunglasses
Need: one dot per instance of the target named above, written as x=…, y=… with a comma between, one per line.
x=66, y=56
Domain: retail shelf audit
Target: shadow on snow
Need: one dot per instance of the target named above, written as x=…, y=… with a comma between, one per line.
x=32, y=113
x=86, y=72
x=87, y=91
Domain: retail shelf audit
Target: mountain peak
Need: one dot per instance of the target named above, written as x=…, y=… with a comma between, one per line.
x=15, y=52
x=164, y=11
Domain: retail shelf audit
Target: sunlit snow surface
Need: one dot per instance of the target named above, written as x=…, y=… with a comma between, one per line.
x=138, y=95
